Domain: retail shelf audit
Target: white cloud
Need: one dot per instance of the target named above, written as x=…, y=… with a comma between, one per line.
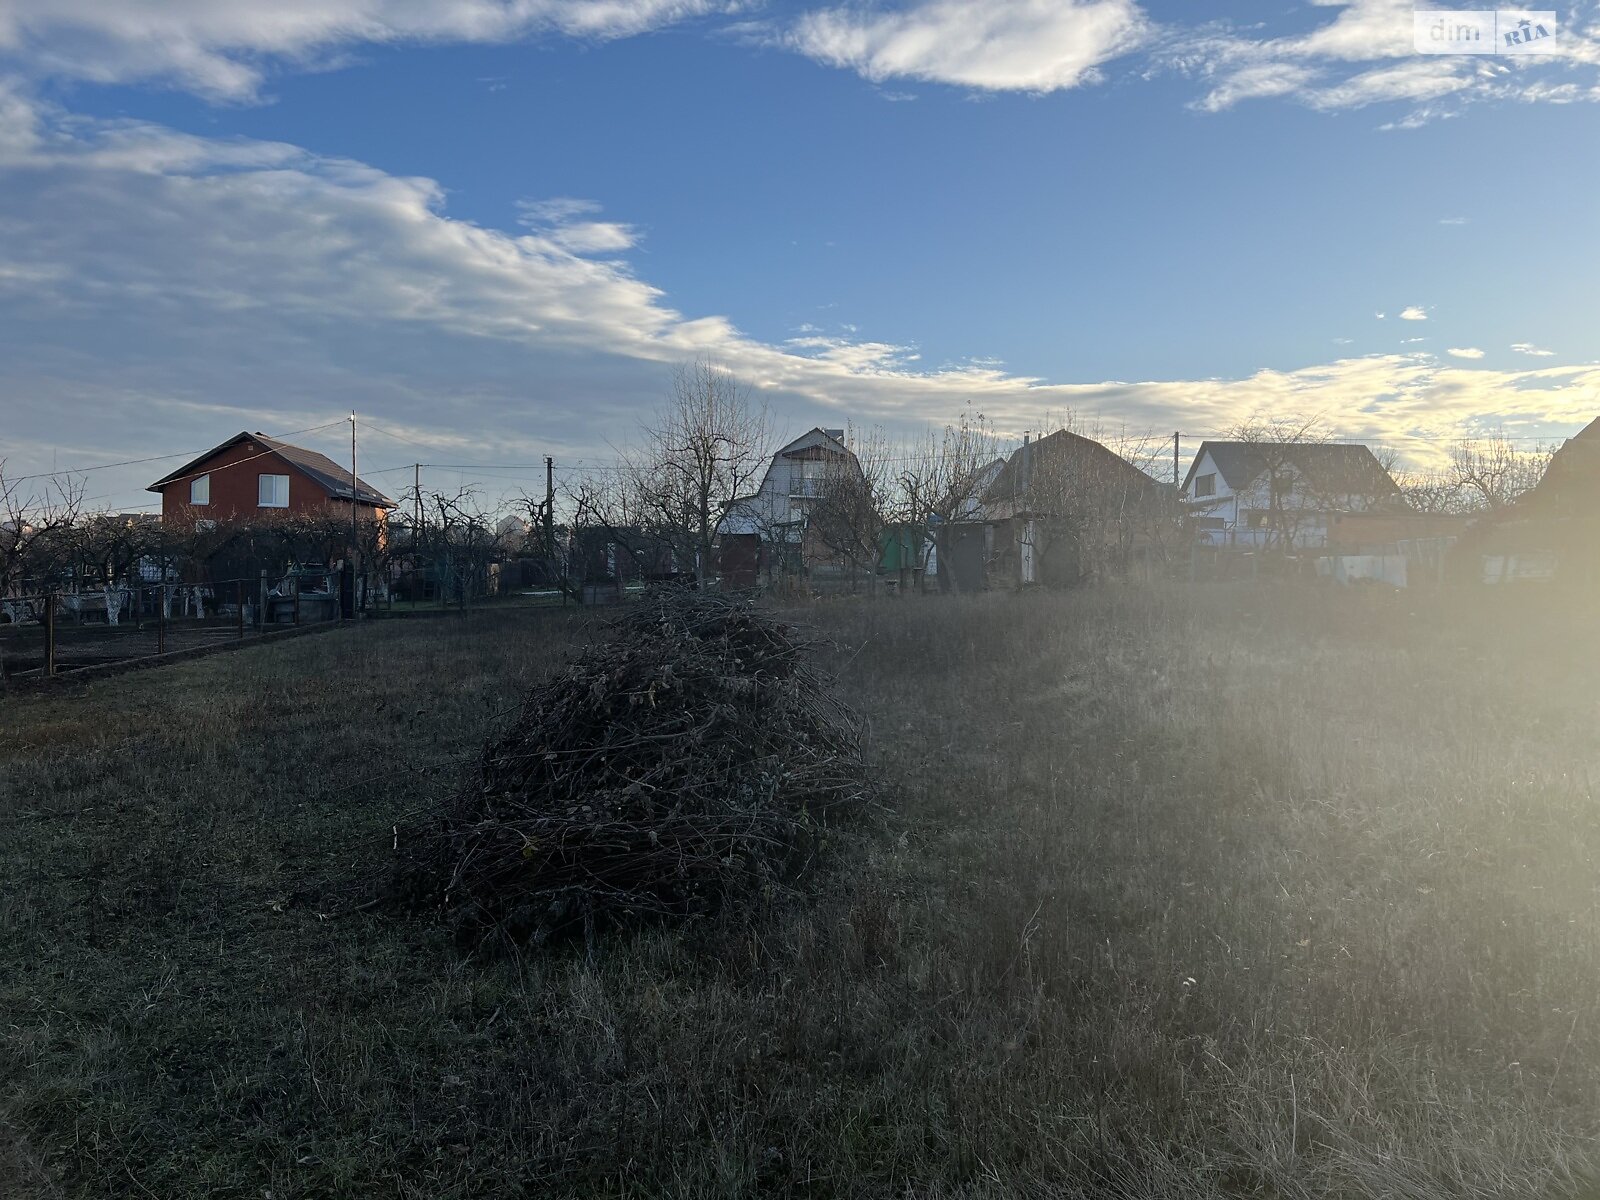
x=1257, y=82
x=999, y=45
x=1365, y=55
x=222, y=48
x=561, y=220
x=1414, y=312
x=1464, y=352
x=1453, y=220
x=1530, y=348
x=1422, y=79
x=159, y=292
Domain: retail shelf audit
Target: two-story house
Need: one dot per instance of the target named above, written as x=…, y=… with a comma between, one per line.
x=769, y=526
x=1281, y=495
x=252, y=475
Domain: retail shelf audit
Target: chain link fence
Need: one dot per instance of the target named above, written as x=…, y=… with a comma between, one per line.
x=55, y=633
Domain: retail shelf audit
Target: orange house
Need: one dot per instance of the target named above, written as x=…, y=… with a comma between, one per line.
x=253, y=475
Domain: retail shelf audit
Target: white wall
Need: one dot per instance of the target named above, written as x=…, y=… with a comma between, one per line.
x=782, y=495
x=1306, y=514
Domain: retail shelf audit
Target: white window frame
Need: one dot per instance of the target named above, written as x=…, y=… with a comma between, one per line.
x=200, y=490
x=275, y=498
x=1205, y=486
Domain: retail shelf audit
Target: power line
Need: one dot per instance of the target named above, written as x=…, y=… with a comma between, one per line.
x=580, y=466
x=134, y=462
x=400, y=437
x=1410, y=437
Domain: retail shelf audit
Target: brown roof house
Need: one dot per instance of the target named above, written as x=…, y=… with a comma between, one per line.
x=251, y=474
x=1062, y=509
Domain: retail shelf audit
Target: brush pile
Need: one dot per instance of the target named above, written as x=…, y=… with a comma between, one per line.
x=685, y=762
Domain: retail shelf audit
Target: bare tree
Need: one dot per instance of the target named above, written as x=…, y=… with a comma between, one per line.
x=1098, y=491
x=702, y=451
x=109, y=547
x=1432, y=492
x=614, y=516
x=35, y=527
x=940, y=483
x=1491, y=472
x=379, y=546
x=1485, y=473
x=847, y=514
x=461, y=542
x=1280, y=495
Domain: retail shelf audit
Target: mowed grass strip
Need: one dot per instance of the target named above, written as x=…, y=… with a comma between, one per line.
x=1189, y=892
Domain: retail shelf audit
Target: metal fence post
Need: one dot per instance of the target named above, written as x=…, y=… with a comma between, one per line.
x=261, y=605
x=238, y=589
x=161, y=620
x=296, y=594
x=50, y=635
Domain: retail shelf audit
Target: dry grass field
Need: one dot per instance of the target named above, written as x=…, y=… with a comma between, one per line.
x=1208, y=892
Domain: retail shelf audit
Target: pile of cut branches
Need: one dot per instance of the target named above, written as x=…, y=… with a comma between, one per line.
x=688, y=761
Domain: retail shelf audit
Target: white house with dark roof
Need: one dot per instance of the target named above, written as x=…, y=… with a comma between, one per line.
x=1281, y=494
x=792, y=484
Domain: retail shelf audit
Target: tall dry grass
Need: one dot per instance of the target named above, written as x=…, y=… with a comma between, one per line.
x=1183, y=893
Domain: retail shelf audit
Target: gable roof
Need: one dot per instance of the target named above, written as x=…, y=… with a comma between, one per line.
x=1066, y=451
x=327, y=474
x=1342, y=468
x=1571, y=483
x=818, y=440
x=794, y=449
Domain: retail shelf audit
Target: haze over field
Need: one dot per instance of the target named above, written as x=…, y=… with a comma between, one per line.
x=493, y=227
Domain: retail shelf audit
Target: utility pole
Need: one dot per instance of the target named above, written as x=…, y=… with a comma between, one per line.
x=549, y=507
x=355, y=539
x=1176, y=481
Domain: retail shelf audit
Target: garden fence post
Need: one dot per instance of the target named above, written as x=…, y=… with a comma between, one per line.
x=261, y=605
x=161, y=620
x=296, y=593
x=50, y=635
x=238, y=589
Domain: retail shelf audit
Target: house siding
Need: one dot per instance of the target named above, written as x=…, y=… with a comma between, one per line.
x=235, y=472
x=1308, y=517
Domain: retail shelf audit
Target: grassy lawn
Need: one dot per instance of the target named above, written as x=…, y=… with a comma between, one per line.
x=1179, y=893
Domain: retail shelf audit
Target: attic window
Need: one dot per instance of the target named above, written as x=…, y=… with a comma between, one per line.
x=1205, y=485
x=274, y=491
x=200, y=490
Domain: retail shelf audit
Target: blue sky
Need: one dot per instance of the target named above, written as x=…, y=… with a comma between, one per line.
x=494, y=227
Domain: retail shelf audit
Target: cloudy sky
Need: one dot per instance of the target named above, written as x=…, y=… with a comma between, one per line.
x=494, y=226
